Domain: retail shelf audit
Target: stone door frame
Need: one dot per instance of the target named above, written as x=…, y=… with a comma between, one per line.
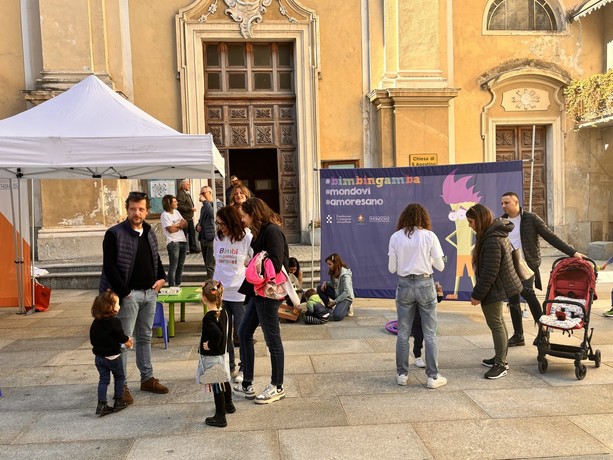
x=193, y=33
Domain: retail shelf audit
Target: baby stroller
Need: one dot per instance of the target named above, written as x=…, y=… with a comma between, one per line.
x=568, y=303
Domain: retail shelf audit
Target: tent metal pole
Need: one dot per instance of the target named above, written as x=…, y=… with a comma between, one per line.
x=32, y=223
x=16, y=245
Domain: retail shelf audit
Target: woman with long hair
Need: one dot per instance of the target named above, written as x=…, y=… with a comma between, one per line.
x=496, y=280
x=262, y=311
x=414, y=250
x=239, y=195
x=232, y=252
x=338, y=292
x=176, y=243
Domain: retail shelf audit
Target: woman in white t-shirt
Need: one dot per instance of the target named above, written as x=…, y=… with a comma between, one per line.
x=413, y=250
x=176, y=243
x=232, y=252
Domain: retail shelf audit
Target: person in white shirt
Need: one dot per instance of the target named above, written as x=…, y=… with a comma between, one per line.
x=176, y=242
x=413, y=251
x=232, y=252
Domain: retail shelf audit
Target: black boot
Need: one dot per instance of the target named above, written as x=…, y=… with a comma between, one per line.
x=119, y=405
x=103, y=409
x=230, y=409
x=219, y=419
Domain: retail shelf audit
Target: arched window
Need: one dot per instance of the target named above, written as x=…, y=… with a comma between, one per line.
x=521, y=15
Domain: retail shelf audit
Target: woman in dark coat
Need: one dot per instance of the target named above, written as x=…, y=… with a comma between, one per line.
x=496, y=280
x=262, y=311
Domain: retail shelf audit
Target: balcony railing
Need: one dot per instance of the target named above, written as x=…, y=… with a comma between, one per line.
x=589, y=101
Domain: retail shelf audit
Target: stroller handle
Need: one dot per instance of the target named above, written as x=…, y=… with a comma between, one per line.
x=569, y=257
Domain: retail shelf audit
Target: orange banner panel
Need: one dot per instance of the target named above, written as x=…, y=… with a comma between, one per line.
x=8, y=267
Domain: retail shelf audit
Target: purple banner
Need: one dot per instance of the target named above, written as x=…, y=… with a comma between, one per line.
x=360, y=210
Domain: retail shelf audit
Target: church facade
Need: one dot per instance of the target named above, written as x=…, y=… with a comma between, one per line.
x=286, y=87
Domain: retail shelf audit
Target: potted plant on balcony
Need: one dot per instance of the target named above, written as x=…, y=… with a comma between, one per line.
x=314, y=233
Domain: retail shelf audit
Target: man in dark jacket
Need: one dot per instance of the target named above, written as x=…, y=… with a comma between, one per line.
x=206, y=230
x=187, y=209
x=133, y=270
x=525, y=235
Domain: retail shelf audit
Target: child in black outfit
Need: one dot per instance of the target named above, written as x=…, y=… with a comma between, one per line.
x=106, y=337
x=214, y=342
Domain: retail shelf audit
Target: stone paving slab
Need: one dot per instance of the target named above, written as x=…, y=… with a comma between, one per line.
x=256, y=445
x=509, y=438
x=91, y=450
x=398, y=441
x=544, y=402
x=408, y=404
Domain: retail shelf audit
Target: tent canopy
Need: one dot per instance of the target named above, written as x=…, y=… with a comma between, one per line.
x=90, y=131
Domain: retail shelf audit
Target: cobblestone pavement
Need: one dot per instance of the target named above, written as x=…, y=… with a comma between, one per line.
x=342, y=397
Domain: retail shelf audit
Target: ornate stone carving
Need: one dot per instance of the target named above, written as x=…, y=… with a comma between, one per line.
x=287, y=164
x=289, y=182
x=504, y=138
x=247, y=13
x=211, y=10
x=239, y=135
x=263, y=134
x=290, y=203
x=290, y=224
x=286, y=113
x=238, y=114
x=217, y=132
x=215, y=113
x=525, y=99
x=287, y=135
x=263, y=113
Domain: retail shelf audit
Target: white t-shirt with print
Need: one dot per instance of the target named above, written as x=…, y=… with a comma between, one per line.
x=231, y=261
x=167, y=219
x=414, y=255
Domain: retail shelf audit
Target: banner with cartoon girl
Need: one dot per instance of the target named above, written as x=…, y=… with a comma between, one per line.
x=360, y=210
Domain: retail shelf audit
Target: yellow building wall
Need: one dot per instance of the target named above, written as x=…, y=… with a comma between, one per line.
x=340, y=84
x=154, y=59
x=11, y=61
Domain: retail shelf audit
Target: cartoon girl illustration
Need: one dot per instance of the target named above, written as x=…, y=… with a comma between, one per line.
x=460, y=197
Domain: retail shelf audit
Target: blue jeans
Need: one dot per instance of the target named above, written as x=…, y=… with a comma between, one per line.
x=340, y=309
x=208, y=258
x=176, y=256
x=235, y=313
x=414, y=294
x=136, y=316
x=106, y=367
x=264, y=312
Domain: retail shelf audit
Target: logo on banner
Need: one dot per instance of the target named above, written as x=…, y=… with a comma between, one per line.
x=361, y=219
x=379, y=219
x=340, y=219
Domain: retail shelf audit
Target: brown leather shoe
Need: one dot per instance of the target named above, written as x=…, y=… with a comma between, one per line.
x=154, y=386
x=127, y=396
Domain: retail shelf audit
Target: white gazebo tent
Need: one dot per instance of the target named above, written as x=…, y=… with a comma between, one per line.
x=90, y=131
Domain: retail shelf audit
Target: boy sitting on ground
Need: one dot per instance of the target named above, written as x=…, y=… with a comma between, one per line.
x=316, y=312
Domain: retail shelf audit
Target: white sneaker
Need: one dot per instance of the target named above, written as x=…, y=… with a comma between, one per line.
x=402, y=379
x=439, y=381
x=420, y=362
x=350, y=312
x=270, y=394
x=239, y=377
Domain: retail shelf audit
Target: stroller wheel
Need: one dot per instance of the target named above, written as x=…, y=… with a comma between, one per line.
x=597, y=358
x=580, y=371
x=542, y=365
